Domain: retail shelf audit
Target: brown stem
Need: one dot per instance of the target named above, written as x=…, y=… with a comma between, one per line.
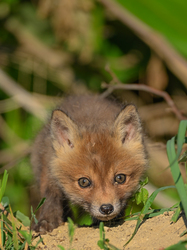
x=18, y=158
x=21, y=96
x=110, y=88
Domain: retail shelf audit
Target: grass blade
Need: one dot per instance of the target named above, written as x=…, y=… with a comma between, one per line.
x=175, y=170
x=71, y=229
x=27, y=236
x=179, y=246
x=177, y=213
x=2, y=235
x=101, y=242
x=101, y=230
x=104, y=243
x=22, y=218
x=40, y=204
x=145, y=210
x=181, y=139
x=14, y=231
x=3, y=184
x=61, y=247
x=110, y=246
x=183, y=233
x=181, y=136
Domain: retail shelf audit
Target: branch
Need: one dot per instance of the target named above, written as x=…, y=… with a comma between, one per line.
x=120, y=85
x=8, y=135
x=8, y=104
x=58, y=60
x=21, y=96
x=175, y=62
x=14, y=160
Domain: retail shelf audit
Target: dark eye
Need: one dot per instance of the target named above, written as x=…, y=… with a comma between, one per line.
x=120, y=178
x=84, y=182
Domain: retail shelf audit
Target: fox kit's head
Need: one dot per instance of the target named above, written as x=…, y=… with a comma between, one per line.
x=99, y=168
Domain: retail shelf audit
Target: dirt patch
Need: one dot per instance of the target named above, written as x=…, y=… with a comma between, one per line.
x=155, y=233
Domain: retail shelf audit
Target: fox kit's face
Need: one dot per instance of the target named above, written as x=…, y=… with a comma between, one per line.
x=99, y=169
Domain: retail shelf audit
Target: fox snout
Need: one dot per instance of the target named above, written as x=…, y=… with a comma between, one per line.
x=106, y=209
x=105, y=212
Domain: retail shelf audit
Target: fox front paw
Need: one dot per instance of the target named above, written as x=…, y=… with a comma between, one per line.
x=44, y=226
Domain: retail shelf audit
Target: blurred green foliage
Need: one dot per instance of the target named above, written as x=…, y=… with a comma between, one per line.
x=80, y=41
x=167, y=17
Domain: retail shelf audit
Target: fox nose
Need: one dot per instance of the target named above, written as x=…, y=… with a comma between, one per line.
x=106, y=209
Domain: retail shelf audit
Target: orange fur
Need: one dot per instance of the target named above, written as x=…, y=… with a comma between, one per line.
x=95, y=139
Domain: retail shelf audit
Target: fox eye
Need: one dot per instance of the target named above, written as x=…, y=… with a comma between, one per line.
x=120, y=178
x=84, y=182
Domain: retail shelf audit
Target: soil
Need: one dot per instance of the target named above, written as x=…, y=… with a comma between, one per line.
x=155, y=233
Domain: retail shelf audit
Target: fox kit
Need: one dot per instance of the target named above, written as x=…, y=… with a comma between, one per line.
x=90, y=153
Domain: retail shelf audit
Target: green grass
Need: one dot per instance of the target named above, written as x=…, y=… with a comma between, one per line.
x=178, y=180
x=15, y=230
x=174, y=166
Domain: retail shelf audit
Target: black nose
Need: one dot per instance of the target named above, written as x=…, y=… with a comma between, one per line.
x=106, y=209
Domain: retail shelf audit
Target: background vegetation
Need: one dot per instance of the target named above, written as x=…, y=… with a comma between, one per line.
x=49, y=49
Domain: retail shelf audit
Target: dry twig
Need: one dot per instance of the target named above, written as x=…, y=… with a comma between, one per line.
x=57, y=60
x=8, y=135
x=8, y=104
x=111, y=87
x=20, y=149
x=16, y=159
x=20, y=95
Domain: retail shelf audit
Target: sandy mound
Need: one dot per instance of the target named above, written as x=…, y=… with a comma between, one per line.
x=155, y=233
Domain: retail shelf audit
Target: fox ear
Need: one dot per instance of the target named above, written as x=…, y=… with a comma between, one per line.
x=63, y=129
x=127, y=125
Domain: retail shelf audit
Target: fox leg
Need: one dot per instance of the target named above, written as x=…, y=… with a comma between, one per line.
x=51, y=212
